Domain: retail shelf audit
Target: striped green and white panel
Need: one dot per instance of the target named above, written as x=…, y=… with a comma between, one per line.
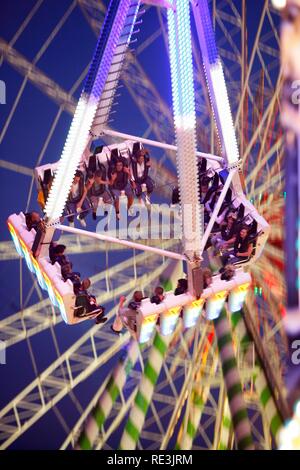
x=143, y=398
x=267, y=402
x=95, y=421
x=239, y=415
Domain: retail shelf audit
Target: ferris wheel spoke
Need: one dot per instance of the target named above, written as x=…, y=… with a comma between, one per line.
x=48, y=389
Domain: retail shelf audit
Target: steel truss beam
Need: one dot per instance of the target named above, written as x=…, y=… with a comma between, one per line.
x=91, y=351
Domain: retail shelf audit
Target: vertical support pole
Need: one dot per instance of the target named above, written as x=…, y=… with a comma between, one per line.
x=143, y=398
x=216, y=85
x=266, y=399
x=99, y=414
x=226, y=426
x=239, y=415
x=183, y=96
x=199, y=397
x=243, y=66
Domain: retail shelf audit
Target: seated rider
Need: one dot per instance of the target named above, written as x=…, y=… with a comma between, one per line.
x=207, y=278
x=96, y=189
x=140, y=167
x=33, y=221
x=56, y=254
x=127, y=316
x=77, y=201
x=227, y=236
x=182, y=287
x=88, y=303
x=242, y=249
x=68, y=273
x=120, y=181
x=158, y=296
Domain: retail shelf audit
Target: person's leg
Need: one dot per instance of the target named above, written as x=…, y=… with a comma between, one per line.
x=94, y=203
x=214, y=240
x=236, y=259
x=150, y=185
x=225, y=258
x=70, y=209
x=216, y=243
x=138, y=190
x=129, y=194
x=85, y=209
x=116, y=195
x=107, y=199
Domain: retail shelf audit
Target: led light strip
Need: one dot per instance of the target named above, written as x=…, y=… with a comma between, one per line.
x=34, y=266
x=215, y=80
x=84, y=115
x=180, y=47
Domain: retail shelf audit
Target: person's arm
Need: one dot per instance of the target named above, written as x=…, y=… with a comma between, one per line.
x=130, y=176
x=232, y=240
x=130, y=173
x=121, y=308
x=113, y=178
x=87, y=186
x=207, y=207
x=246, y=254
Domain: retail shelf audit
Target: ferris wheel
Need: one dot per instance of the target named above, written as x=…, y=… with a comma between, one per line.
x=172, y=392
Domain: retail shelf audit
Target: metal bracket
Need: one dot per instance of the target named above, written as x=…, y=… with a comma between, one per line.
x=236, y=166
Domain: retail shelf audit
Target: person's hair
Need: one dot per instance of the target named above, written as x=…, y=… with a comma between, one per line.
x=159, y=290
x=244, y=227
x=90, y=175
x=142, y=153
x=228, y=272
x=232, y=216
x=205, y=181
x=66, y=268
x=138, y=296
x=206, y=274
x=98, y=174
x=183, y=283
x=86, y=281
x=59, y=249
x=78, y=174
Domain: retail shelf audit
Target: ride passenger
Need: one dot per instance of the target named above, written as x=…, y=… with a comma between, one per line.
x=56, y=254
x=33, y=221
x=226, y=238
x=96, y=189
x=182, y=287
x=127, y=316
x=90, y=306
x=77, y=201
x=140, y=167
x=158, y=296
x=68, y=273
x=121, y=178
x=242, y=249
x=207, y=278
x=204, y=187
